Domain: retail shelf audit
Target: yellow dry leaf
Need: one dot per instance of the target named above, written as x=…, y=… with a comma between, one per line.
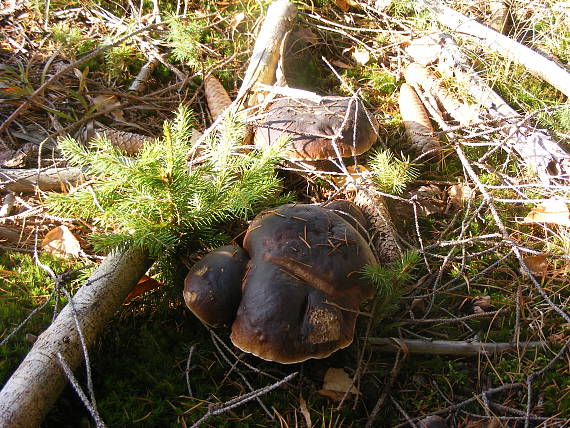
x=356, y=172
x=61, y=242
x=336, y=384
x=551, y=211
x=345, y=5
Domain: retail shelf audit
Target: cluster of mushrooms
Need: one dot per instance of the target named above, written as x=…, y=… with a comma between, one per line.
x=293, y=291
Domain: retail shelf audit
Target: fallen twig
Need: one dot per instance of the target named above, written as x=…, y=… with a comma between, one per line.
x=30, y=99
x=537, y=64
x=231, y=404
x=445, y=347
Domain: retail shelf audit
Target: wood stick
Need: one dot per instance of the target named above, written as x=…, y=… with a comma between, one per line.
x=445, y=347
x=36, y=384
x=31, y=180
x=265, y=57
x=534, y=62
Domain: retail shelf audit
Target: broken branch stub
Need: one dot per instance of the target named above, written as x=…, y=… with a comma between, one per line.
x=265, y=57
x=36, y=384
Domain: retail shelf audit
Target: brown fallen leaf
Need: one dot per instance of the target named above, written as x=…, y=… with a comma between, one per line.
x=337, y=384
x=61, y=242
x=538, y=265
x=552, y=211
x=482, y=304
x=305, y=412
x=340, y=64
x=111, y=104
x=345, y=5
x=459, y=194
x=429, y=199
x=356, y=172
x=145, y=284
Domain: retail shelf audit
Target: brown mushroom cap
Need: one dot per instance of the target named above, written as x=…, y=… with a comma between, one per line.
x=212, y=288
x=311, y=127
x=302, y=290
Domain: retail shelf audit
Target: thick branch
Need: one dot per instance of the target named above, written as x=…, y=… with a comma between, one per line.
x=37, y=382
x=534, y=62
x=30, y=180
x=265, y=57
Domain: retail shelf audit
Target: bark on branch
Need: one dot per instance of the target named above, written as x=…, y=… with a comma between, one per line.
x=534, y=62
x=36, y=384
x=445, y=347
x=48, y=180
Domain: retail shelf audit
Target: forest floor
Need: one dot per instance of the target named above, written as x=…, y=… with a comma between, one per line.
x=493, y=239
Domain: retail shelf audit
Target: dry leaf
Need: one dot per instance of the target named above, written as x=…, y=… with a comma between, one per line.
x=538, y=265
x=61, y=242
x=382, y=5
x=551, y=211
x=236, y=20
x=145, y=284
x=356, y=172
x=361, y=56
x=345, y=5
x=428, y=199
x=106, y=103
x=425, y=50
x=336, y=384
x=460, y=193
x=305, y=412
x=482, y=304
x=340, y=64
x=307, y=35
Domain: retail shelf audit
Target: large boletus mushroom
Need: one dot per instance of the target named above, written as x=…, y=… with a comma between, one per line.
x=302, y=289
x=314, y=128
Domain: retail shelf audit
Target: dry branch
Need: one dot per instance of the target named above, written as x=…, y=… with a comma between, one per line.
x=539, y=152
x=444, y=347
x=37, y=382
x=47, y=180
x=534, y=62
x=265, y=57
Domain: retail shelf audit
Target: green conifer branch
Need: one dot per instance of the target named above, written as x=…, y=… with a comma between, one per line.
x=153, y=201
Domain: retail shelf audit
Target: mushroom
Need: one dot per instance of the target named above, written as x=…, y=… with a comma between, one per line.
x=312, y=127
x=302, y=289
x=212, y=288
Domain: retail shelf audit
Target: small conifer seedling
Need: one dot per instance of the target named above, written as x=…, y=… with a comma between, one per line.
x=159, y=202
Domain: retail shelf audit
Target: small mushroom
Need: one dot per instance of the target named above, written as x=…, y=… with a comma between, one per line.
x=311, y=128
x=302, y=289
x=212, y=288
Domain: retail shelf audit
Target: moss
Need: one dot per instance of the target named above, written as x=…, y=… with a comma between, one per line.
x=24, y=287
